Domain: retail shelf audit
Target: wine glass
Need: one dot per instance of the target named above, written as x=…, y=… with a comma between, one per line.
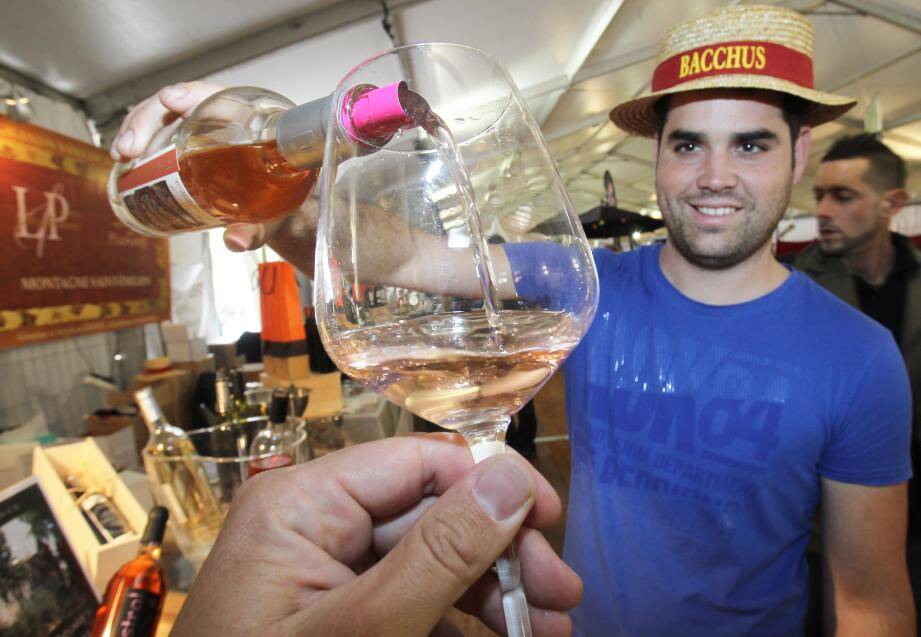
x=452, y=274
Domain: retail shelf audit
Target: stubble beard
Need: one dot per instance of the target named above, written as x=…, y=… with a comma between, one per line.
x=740, y=242
x=841, y=245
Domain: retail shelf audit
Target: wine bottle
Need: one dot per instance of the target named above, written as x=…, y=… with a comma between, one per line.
x=100, y=513
x=239, y=408
x=134, y=596
x=165, y=439
x=248, y=155
x=176, y=479
x=228, y=440
x=274, y=445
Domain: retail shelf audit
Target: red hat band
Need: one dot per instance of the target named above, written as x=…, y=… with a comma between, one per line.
x=734, y=58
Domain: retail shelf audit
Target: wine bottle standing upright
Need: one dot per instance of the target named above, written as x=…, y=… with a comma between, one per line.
x=176, y=480
x=239, y=408
x=248, y=155
x=134, y=597
x=228, y=439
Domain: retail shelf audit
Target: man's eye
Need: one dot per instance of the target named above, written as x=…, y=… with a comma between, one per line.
x=686, y=147
x=842, y=198
x=750, y=148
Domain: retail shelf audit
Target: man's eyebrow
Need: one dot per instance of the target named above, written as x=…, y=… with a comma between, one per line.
x=681, y=135
x=759, y=135
x=838, y=190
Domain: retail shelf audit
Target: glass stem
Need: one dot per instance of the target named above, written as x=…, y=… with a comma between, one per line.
x=487, y=438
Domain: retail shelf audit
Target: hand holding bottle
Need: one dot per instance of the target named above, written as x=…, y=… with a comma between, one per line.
x=192, y=158
x=155, y=119
x=381, y=539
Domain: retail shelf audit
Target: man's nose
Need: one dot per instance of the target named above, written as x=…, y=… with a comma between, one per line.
x=824, y=206
x=718, y=173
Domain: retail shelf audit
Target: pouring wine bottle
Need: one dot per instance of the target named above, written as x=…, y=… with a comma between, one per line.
x=248, y=155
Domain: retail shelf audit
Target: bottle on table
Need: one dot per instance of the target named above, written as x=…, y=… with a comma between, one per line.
x=239, y=407
x=99, y=511
x=134, y=597
x=165, y=439
x=176, y=479
x=227, y=439
x=275, y=445
x=249, y=155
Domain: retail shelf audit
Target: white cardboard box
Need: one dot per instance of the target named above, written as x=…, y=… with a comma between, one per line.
x=187, y=351
x=100, y=560
x=120, y=447
x=15, y=462
x=174, y=331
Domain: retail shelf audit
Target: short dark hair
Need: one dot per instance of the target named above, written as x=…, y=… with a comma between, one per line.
x=886, y=171
x=792, y=106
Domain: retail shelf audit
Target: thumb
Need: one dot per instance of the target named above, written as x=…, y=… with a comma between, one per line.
x=447, y=550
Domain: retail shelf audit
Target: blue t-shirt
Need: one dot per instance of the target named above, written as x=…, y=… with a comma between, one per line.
x=699, y=435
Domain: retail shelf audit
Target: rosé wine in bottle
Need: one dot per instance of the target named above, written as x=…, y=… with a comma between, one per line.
x=274, y=446
x=134, y=596
x=248, y=155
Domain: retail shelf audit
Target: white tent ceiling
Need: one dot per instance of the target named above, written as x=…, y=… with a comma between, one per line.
x=573, y=60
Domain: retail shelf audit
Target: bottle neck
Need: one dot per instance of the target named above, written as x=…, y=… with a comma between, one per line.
x=151, y=550
x=222, y=402
x=301, y=132
x=150, y=410
x=369, y=115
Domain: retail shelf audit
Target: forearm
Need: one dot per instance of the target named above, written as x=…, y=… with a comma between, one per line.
x=869, y=606
x=294, y=238
x=379, y=247
x=873, y=618
x=390, y=252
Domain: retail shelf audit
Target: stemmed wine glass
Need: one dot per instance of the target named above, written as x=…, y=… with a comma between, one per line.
x=452, y=274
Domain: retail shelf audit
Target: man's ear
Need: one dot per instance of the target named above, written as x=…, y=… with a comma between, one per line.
x=801, y=152
x=893, y=200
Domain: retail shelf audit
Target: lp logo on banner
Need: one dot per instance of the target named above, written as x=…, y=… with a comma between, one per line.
x=49, y=214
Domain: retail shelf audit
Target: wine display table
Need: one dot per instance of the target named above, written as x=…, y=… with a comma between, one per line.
x=171, y=606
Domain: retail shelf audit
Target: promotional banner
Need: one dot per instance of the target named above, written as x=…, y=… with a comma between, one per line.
x=67, y=265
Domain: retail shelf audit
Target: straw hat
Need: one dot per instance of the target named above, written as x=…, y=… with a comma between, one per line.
x=750, y=47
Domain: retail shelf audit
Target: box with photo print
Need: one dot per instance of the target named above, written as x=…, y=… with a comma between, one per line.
x=44, y=591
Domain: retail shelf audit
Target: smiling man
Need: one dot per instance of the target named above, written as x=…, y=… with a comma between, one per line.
x=719, y=396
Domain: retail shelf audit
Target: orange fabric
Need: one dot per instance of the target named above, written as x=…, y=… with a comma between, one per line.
x=280, y=304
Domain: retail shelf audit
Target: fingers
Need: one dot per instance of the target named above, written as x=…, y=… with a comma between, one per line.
x=386, y=477
x=451, y=545
x=156, y=115
x=389, y=532
x=240, y=237
x=394, y=481
x=293, y=237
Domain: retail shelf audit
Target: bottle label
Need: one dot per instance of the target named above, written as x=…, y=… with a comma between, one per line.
x=154, y=193
x=137, y=615
x=104, y=519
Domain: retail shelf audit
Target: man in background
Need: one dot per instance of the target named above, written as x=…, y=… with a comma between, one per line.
x=860, y=187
